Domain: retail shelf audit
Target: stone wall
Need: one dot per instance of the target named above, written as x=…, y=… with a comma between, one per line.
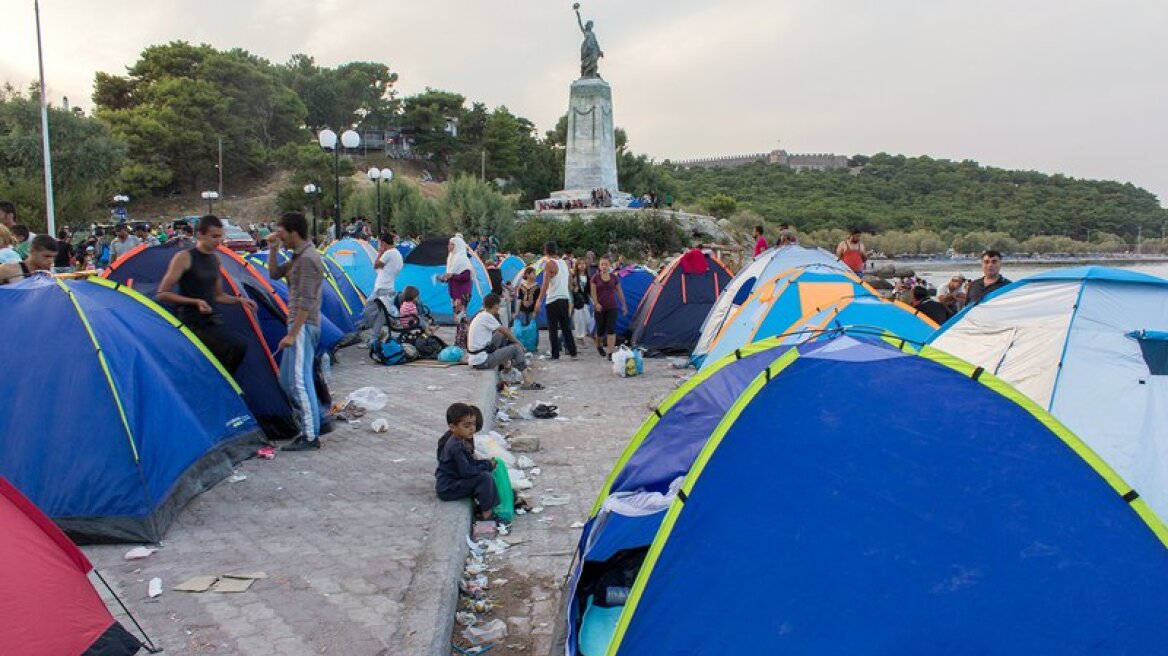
x=797, y=161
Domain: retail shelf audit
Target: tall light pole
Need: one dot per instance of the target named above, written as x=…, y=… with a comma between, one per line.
x=210, y=197
x=313, y=192
x=377, y=175
x=50, y=209
x=328, y=141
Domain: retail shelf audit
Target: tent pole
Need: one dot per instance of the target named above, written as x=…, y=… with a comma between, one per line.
x=150, y=646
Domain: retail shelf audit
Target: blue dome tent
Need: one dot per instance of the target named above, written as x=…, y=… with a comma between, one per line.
x=635, y=282
x=125, y=416
x=1090, y=345
x=511, y=266
x=669, y=317
x=766, y=266
x=143, y=269
x=880, y=532
x=421, y=269
x=356, y=257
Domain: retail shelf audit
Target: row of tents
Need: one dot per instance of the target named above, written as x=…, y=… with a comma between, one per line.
x=110, y=368
x=851, y=490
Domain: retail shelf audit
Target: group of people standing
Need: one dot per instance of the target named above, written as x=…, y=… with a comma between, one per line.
x=573, y=295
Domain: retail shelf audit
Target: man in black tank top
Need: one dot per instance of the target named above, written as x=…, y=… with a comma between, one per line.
x=195, y=272
x=40, y=258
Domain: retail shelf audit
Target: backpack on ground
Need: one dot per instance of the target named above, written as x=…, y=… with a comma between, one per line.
x=429, y=346
x=388, y=352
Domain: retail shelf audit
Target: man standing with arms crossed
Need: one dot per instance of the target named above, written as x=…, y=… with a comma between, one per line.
x=305, y=274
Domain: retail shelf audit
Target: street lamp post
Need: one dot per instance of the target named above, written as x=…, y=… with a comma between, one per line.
x=328, y=141
x=120, y=211
x=377, y=175
x=210, y=197
x=313, y=192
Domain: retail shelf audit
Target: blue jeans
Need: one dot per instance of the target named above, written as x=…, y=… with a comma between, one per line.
x=296, y=379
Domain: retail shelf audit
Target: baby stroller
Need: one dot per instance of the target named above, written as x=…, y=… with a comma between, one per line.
x=413, y=331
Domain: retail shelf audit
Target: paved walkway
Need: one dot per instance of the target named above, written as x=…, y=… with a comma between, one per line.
x=600, y=413
x=361, y=557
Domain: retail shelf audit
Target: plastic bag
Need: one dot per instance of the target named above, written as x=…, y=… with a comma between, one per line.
x=619, y=358
x=493, y=445
x=369, y=398
x=505, y=509
x=527, y=334
x=451, y=354
x=519, y=480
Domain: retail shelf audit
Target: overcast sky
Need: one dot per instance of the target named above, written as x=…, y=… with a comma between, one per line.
x=1072, y=86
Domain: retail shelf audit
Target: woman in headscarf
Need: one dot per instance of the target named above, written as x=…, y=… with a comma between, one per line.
x=458, y=278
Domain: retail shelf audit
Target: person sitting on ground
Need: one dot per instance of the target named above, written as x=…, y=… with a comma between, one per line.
x=460, y=474
x=491, y=344
x=929, y=307
x=40, y=258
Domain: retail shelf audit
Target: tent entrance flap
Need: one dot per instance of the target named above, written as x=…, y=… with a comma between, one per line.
x=1154, y=348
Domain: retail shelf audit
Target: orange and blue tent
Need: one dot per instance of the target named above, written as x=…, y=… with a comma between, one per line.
x=779, y=302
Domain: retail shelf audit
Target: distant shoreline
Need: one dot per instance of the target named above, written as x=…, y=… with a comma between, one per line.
x=1024, y=261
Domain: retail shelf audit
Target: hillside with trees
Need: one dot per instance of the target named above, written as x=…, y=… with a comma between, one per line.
x=947, y=199
x=156, y=130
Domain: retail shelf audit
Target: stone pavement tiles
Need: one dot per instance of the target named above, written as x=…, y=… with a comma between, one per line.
x=600, y=413
x=361, y=557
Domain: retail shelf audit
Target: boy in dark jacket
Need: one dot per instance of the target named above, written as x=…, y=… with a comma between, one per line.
x=459, y=474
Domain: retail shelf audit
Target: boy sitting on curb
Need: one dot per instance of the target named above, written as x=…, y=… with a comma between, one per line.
x=460, y=474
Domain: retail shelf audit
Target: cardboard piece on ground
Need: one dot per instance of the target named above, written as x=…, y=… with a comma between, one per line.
x=248, y=575
x=196, y=584
x=227, y=584
x=432, y=364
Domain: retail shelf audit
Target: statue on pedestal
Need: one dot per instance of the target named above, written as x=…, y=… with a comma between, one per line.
x=590, y=52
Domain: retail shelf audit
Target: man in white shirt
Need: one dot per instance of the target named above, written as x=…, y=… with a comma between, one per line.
x=389, y=263
x=554, y=294
x=123, y=244
x=490, y=344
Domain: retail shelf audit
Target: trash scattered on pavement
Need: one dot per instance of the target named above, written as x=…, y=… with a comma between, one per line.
x=535, y=471
x=465, y=618
x=351, y=411
x=369, y=398
x=537, y=510
x=138, y=553
x=398, y=460
x=237, y=478
x=484, y=529
x=524, y=444
x=523, y=462
x=380, y=425
x=492, y=631
x=555, y=500
x=154, y=588
x=576, y=525
x=502, y=417
x=433, y=388
x=267, y=452
x=221, y=583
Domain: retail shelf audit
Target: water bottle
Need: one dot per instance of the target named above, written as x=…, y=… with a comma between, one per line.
x=615, y=595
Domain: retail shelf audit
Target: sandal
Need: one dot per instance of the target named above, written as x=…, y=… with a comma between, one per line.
x=532, y=387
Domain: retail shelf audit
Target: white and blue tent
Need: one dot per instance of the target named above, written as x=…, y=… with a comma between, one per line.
x=1090, y=345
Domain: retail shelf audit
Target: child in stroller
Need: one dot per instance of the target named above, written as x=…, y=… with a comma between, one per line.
x=406, y=318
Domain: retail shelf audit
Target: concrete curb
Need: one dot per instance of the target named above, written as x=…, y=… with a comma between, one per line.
x=485, y=397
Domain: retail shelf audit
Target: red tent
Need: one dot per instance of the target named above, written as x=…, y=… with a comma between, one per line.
x=48, y=607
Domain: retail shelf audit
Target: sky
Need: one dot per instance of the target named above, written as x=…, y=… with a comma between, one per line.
x=1068, y=86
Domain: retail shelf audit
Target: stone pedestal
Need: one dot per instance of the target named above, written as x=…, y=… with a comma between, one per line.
x=590, y=161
